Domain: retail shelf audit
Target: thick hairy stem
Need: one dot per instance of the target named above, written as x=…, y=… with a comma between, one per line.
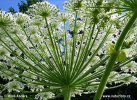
x=113, y=57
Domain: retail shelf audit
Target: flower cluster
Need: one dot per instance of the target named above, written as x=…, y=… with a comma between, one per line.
x=6, y=19
x=20, y=18
x=14, y=86
x=74, y=5
x=50, y=51
x=44, y=9
x=64, y=17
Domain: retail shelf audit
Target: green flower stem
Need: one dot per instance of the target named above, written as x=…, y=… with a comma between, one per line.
x=113, y=57
x=114, y=87
x=55, y=51
x=74, y=44
x=92, y=56
x=35, y=69
x=14, y=72
x=105, y=76
x=91, y=70
x=98, y=48
x=53, y=44
x=82, y=57
x=67, y=93
x=48, y=49
x=66, y=53
x=29, y=56
x=79, y=55
x=81, y=40
x=48, y=60
x=124, y=63
x=100, y=73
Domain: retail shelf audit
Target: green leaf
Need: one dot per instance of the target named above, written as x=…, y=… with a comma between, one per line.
x=122, y=56
x=111, y=48
x=127, y=45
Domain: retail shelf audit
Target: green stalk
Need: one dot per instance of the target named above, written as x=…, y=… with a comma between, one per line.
x=114, y=56
x=67, y=93
x=31, y=56
x=74, y=44
x=92, y=56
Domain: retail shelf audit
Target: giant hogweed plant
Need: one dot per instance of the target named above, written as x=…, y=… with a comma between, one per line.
x=82, y=50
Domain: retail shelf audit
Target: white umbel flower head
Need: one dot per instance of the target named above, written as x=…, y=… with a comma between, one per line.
x=44, y=95
x=14, y=86
x=6, y=19
x=43, y=9
x=130, y=67
x=64, y=17
x=74, y=5
x=36, y=21
x=21, y=19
